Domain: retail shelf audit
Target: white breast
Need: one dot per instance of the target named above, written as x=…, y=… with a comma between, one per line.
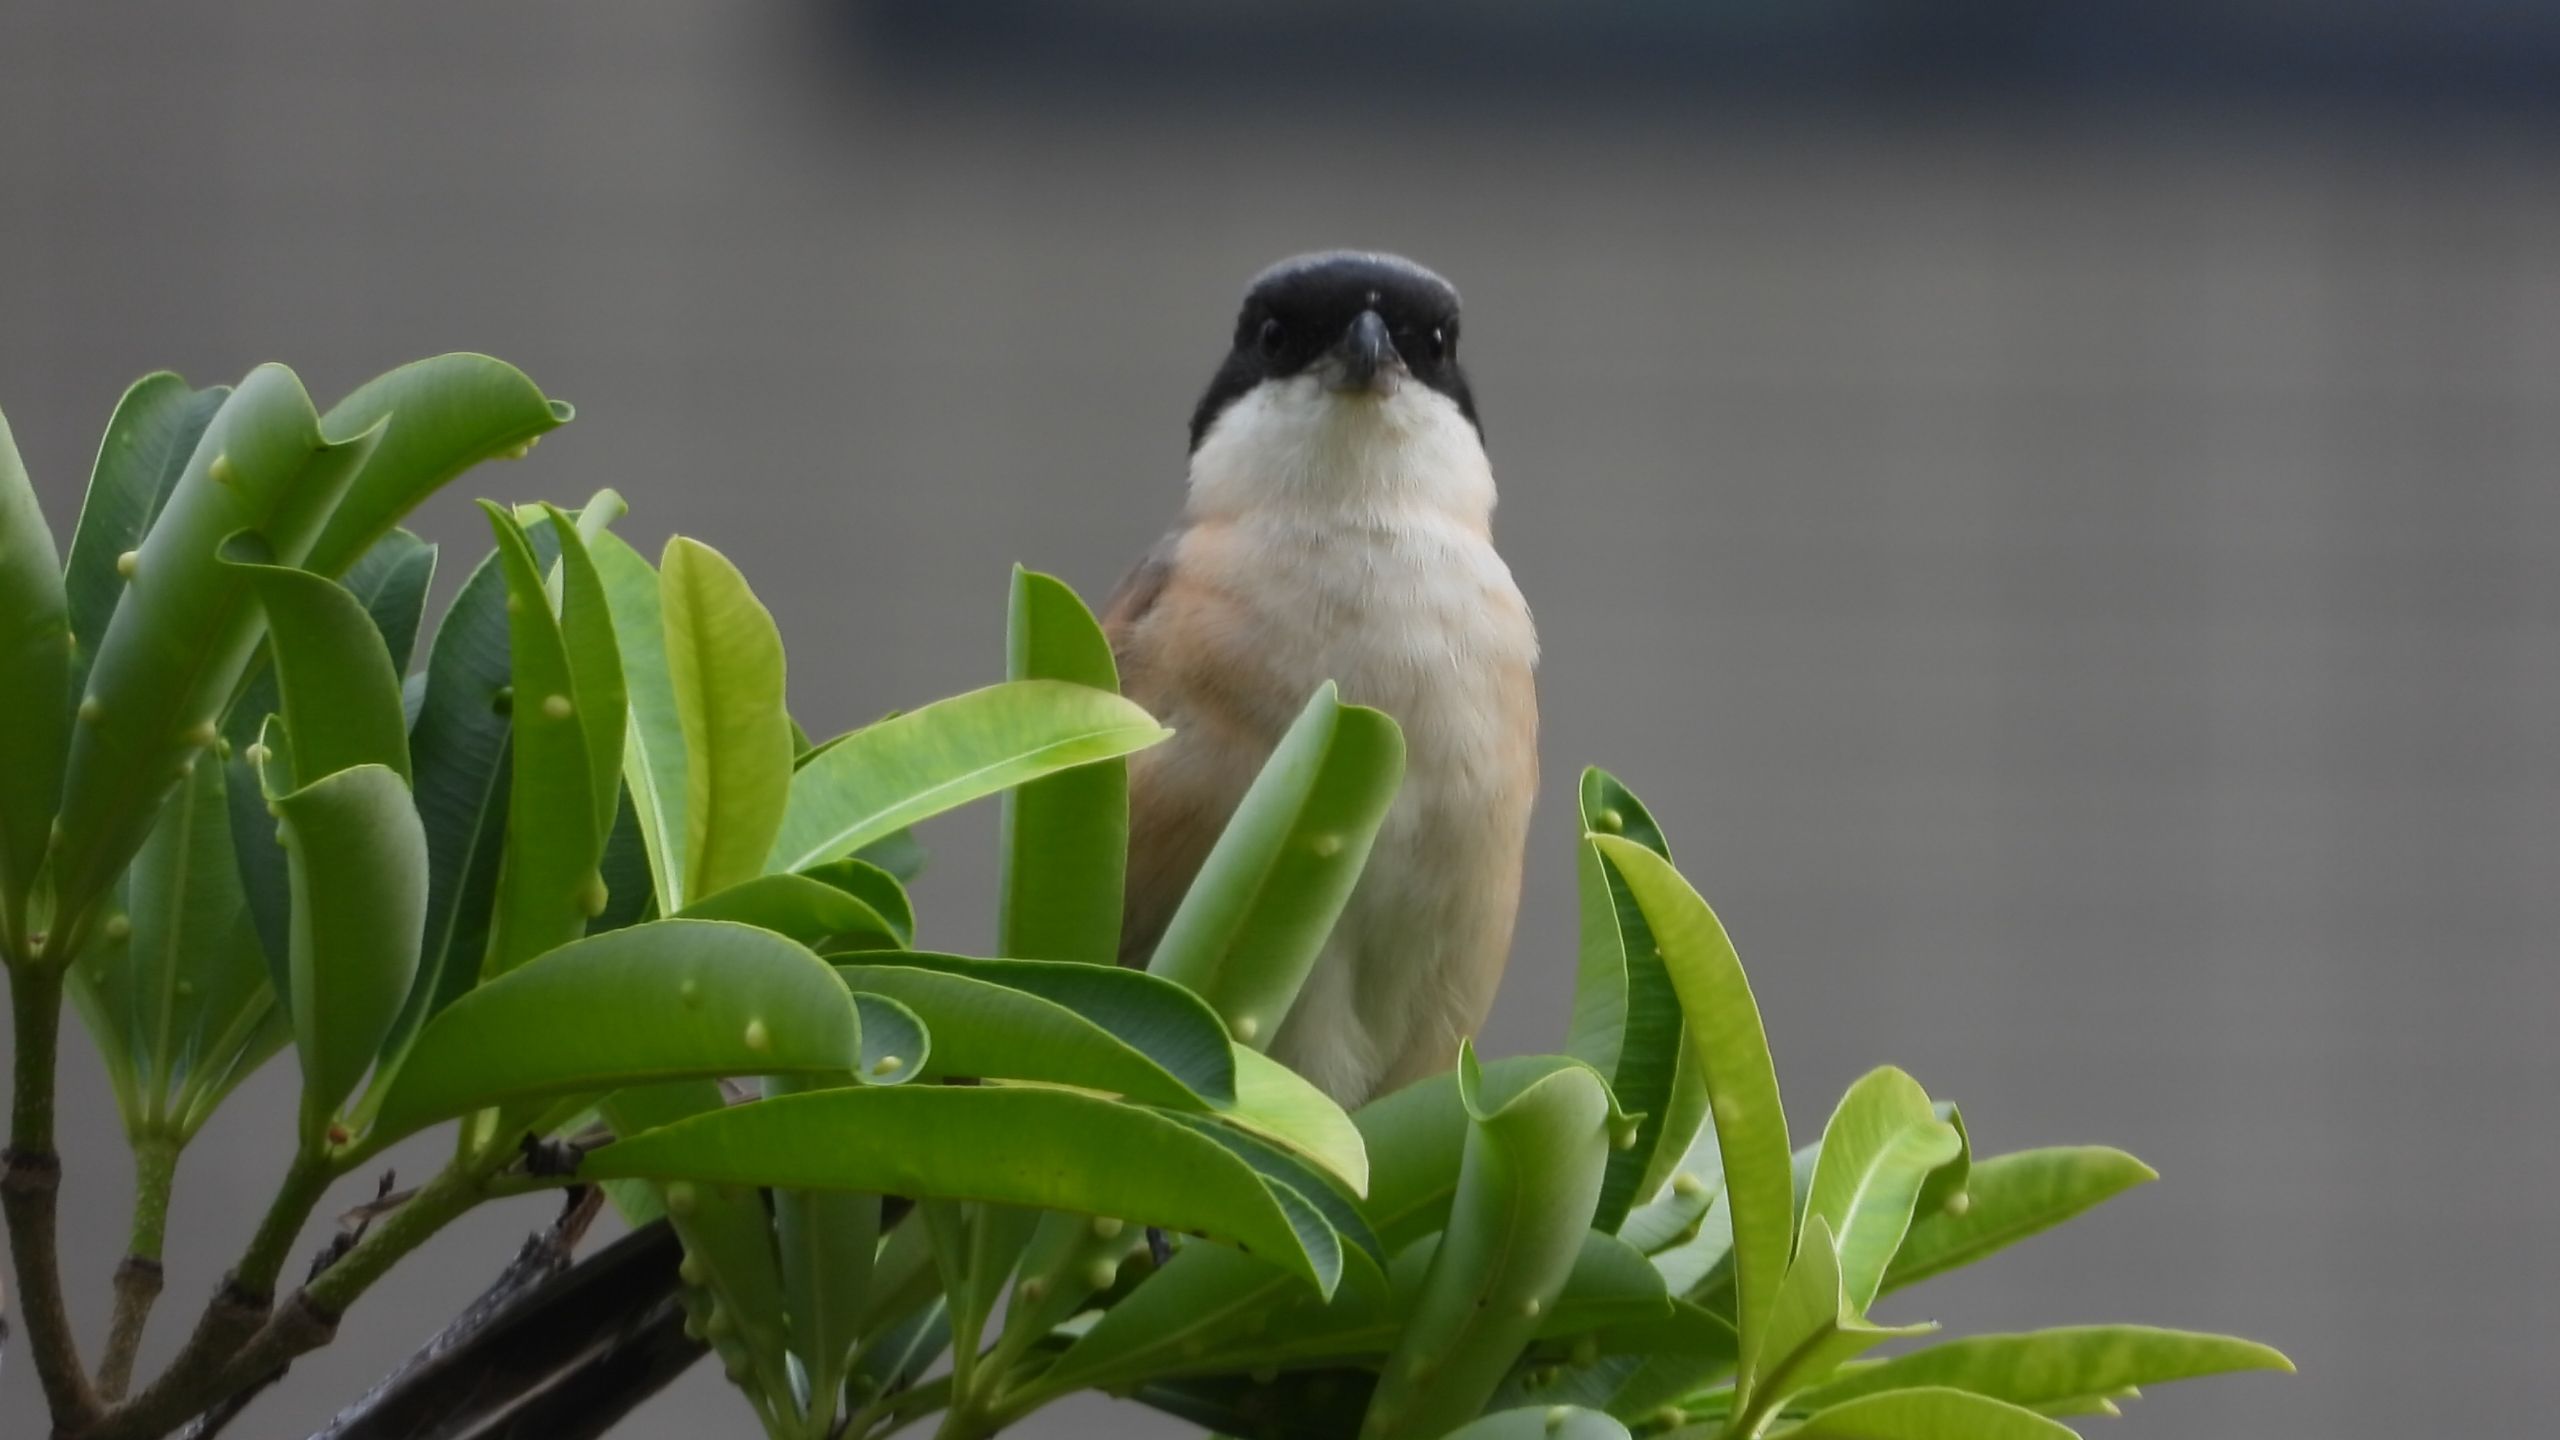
x=1360, y=542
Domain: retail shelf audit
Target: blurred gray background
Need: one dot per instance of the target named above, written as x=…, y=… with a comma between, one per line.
x=2060, y=521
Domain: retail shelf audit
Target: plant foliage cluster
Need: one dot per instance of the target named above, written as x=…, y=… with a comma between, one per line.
x=565, y=875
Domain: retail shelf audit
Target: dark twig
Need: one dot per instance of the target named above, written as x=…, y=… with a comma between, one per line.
x=30, y=1189
x=545, y=1329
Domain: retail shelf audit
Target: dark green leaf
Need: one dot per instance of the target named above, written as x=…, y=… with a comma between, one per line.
x=358, y=860
x=35, y=673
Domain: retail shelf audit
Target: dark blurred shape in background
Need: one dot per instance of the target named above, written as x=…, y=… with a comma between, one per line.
x=2056, y=506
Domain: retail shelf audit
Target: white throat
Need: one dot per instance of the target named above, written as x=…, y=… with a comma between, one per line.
x=1292, y=448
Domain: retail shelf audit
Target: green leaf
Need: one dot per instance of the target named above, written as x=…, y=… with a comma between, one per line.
x=1000, y=1145
x=147, y=445
x=341, y=696
x=458, y=748
x=1883, y=1142
x=725, y=665
x=595, y=667
x=1251, y=925
x=1279, y=1104
x=876, y=781
x=665, y=1000
x=896, y=1046
x=1626, y=1015
x=1526, y=1188
x=1928, y=1415
x=548, y=885
x=185, y=1003
x=1116, y=1030
x=2044, y=1368
x=358, y=859
x=653, y=758
x=827, y=1244
x=1725, y=1038
x=1066, y=836
x=444, y=415
x=874, y=887
x=183, y=633
x=390, y=581
x=1542, y=1422
x=35, y=673
x=1946, y=1184
x=806, y=909
x=1813, y=1328
x=2009, y=1198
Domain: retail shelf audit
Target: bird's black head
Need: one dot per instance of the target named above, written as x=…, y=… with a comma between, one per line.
x=1358, y=320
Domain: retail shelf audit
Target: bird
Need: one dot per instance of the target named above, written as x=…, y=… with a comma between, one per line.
x=1338, y=526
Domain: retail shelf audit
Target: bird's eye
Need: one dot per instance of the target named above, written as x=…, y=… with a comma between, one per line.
x=1271, y=339
x=1437, y=347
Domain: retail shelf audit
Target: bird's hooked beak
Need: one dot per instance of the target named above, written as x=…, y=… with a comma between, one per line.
x=1364, y=360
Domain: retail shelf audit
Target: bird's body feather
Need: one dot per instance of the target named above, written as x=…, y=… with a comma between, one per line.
x=1346, y=539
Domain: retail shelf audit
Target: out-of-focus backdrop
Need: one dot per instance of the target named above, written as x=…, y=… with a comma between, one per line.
x=2057, y=507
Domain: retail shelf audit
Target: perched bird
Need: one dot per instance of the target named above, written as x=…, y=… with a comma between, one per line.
x=1339, y=526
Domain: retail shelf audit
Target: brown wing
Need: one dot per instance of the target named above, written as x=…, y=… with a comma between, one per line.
x=1182, y=791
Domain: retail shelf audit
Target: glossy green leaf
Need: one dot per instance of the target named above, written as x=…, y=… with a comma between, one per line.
x=1626, y=1016
x=874, y=887
x=1308, y=1191
x=1526, y=1188
x=548, y=885
x=183, y=633
x=1066, y=836
x=1883, y=1142
x=1813, y=1328
x=184, y=1001
x=1002, y=1145
x=340, y=694
x=1542, y=1422
x=390, y=581
x=439, y=416
x=458, y=749
x=1114, y=1030
x=653, y=758
x=2045, y=1368
x=595, y=666
x=1279, y=1104
x=1932, y=1414
x=666, y=1000
x=1256, y=917
x=725, y=665
x=2009, y=1198
x=1723, y=1032
x=358, y=860
x=146, y=448
x=35, y=673
x=800, y=906
x=878, y=780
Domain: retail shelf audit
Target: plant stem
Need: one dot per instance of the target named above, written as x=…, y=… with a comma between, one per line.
x=139, y=1276
x=254, y=1278
x=30, y=1190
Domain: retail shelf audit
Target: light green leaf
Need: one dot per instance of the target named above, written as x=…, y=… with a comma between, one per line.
x=725, y=666
x=548, y=885
x=1256, y=917
x=1114, y=1030
x=1526, y=1188
x=1933, y=1414
x=1812, y=1329
x=184, y=631
x=1279, y=1104
x=1001, y=1145
x=1724, y=1036
x=653, y=759
x=666, y=1000
x=1066, y=836
x=340, y=694
x=35, y=673
x=1542, y=1422
x=1883, y=1142
x=876, y=781
x=444, y=415
x=800, y=906
x=595, y=667
x=185, y=1002
x=2010, y=1197
x=2046, y=1368
x=358, y=860
x=146, y=448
